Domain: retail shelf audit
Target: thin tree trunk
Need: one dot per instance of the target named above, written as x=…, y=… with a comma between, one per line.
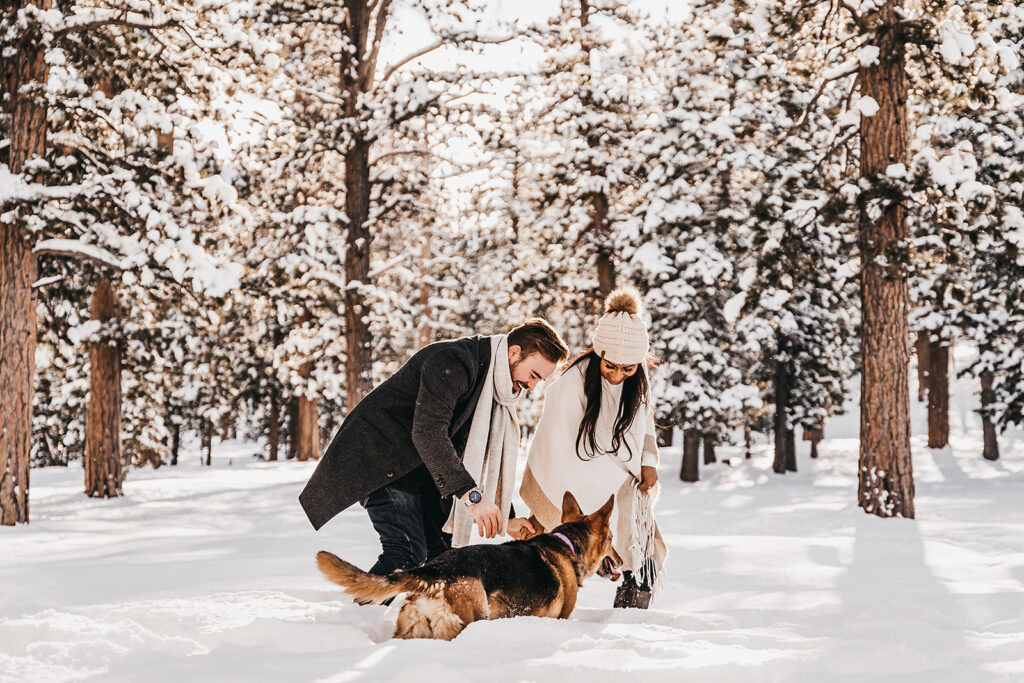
x=664, y=435
x=709, y=450
x=307, y=435
x=357, y=268
x=598, y=199
x=990, y=451
x=425, y=334
x=938, y=393
x=885, y=472
x=790, y=451
x=274, y=418
x=103, y=472
x=293, y=427
x=690, y=470
x=747, y=442
x=814, y=436
x=175, y=442
x=783, y=382
x=17, y=273
x=207, y=443
x=921, y=346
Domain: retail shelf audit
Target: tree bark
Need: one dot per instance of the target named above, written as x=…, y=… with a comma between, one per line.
x=599, y=199
x=921, y=346
x=709, y=450
x=664, y=435
x=885, y=473
x=990, y=450
x=938, y=393
x=783, y=383
x=747, y=442
x=175, y=442
x=103, y=471
x=274, y=419
x=691, y=446
x=357, y=68
x=207, y=444
x=358, y=367
x=814, y=436
x=790, y=451
x=307, y=433
x=17, y=273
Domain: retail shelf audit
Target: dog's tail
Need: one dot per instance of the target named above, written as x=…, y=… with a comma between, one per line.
x=365, y=588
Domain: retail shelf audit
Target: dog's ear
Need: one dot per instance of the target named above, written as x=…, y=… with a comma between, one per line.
x=570, y=508
x=604, y=512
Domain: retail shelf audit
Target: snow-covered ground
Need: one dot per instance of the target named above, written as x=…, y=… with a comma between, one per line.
x=207, y=574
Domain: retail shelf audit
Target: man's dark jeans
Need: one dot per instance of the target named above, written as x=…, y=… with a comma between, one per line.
x=408, y=515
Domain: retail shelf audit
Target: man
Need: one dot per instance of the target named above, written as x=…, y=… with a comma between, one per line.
x=443, y=427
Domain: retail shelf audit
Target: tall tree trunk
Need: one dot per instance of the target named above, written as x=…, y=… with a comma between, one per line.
x=103, y=472
x=938, y=393
x=990, y=451
x=307, y=433
x=885, y=472
x=17, y=273
x=690, y=470
x=359, y=360
x=709, y=450
x=747, y=442
x=921, y=346
x=783, y=383
x=598, y=199
x=357, y=67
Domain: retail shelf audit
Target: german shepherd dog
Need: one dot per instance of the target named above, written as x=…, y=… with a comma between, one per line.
x=540, y=577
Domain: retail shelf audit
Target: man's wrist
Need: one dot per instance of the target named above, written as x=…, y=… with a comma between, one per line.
x=472, y=497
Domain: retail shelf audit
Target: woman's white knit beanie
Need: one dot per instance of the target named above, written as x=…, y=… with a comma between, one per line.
x=621, y=336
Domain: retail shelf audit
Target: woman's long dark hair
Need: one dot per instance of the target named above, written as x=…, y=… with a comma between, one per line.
x=634, y=392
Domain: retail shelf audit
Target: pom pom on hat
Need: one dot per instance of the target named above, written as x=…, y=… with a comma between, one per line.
x=621, y=336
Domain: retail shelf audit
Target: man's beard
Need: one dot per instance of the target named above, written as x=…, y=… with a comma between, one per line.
x=516, y=386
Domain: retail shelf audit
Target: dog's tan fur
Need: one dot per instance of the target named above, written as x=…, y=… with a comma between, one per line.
x=456, y=595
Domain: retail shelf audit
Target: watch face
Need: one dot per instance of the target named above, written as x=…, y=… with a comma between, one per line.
x=475, y=497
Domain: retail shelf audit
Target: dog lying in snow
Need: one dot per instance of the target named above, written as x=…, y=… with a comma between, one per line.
x=537, y=577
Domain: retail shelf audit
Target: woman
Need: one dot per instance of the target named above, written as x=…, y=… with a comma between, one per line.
x=596, y=437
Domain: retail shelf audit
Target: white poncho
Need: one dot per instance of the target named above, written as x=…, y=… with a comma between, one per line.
x=553, y=468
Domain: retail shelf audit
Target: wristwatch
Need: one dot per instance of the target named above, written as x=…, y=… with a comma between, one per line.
x=474, y=497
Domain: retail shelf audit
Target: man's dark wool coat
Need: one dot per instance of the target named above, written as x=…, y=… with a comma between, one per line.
x=420, y=415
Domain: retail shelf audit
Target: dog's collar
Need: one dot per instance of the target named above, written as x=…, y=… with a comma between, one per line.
x=565, y=539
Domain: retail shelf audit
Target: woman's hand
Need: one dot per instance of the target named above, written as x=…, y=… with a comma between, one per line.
x=520, y=528
x=648, y=477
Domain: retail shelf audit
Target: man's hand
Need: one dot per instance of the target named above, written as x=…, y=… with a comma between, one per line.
x=520, y=528
x=487, y=516
x=648, y=477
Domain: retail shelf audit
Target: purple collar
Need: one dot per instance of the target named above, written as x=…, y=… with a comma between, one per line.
x=565, y=539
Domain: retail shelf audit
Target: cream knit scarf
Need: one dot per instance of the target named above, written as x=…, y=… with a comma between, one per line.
x=493, y=444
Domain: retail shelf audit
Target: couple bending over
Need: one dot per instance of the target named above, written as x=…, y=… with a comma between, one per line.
x=431, y=452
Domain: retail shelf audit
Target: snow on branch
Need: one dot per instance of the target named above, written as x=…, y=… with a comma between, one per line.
x=454, y=40
x=78, y=250
x=59, y=25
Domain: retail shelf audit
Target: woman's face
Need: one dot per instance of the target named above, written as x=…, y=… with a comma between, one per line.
x=617, y=374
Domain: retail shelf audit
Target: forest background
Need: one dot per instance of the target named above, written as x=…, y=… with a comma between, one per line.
x=234, y=218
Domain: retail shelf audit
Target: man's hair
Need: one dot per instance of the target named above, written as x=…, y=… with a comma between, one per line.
x=537, y=335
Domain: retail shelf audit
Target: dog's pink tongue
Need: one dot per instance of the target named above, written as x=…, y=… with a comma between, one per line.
x=616, y=574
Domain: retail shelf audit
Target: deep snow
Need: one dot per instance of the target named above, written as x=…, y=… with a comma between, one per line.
x=208, y=574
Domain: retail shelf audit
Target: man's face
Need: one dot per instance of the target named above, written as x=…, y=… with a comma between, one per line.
x=528, y=371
